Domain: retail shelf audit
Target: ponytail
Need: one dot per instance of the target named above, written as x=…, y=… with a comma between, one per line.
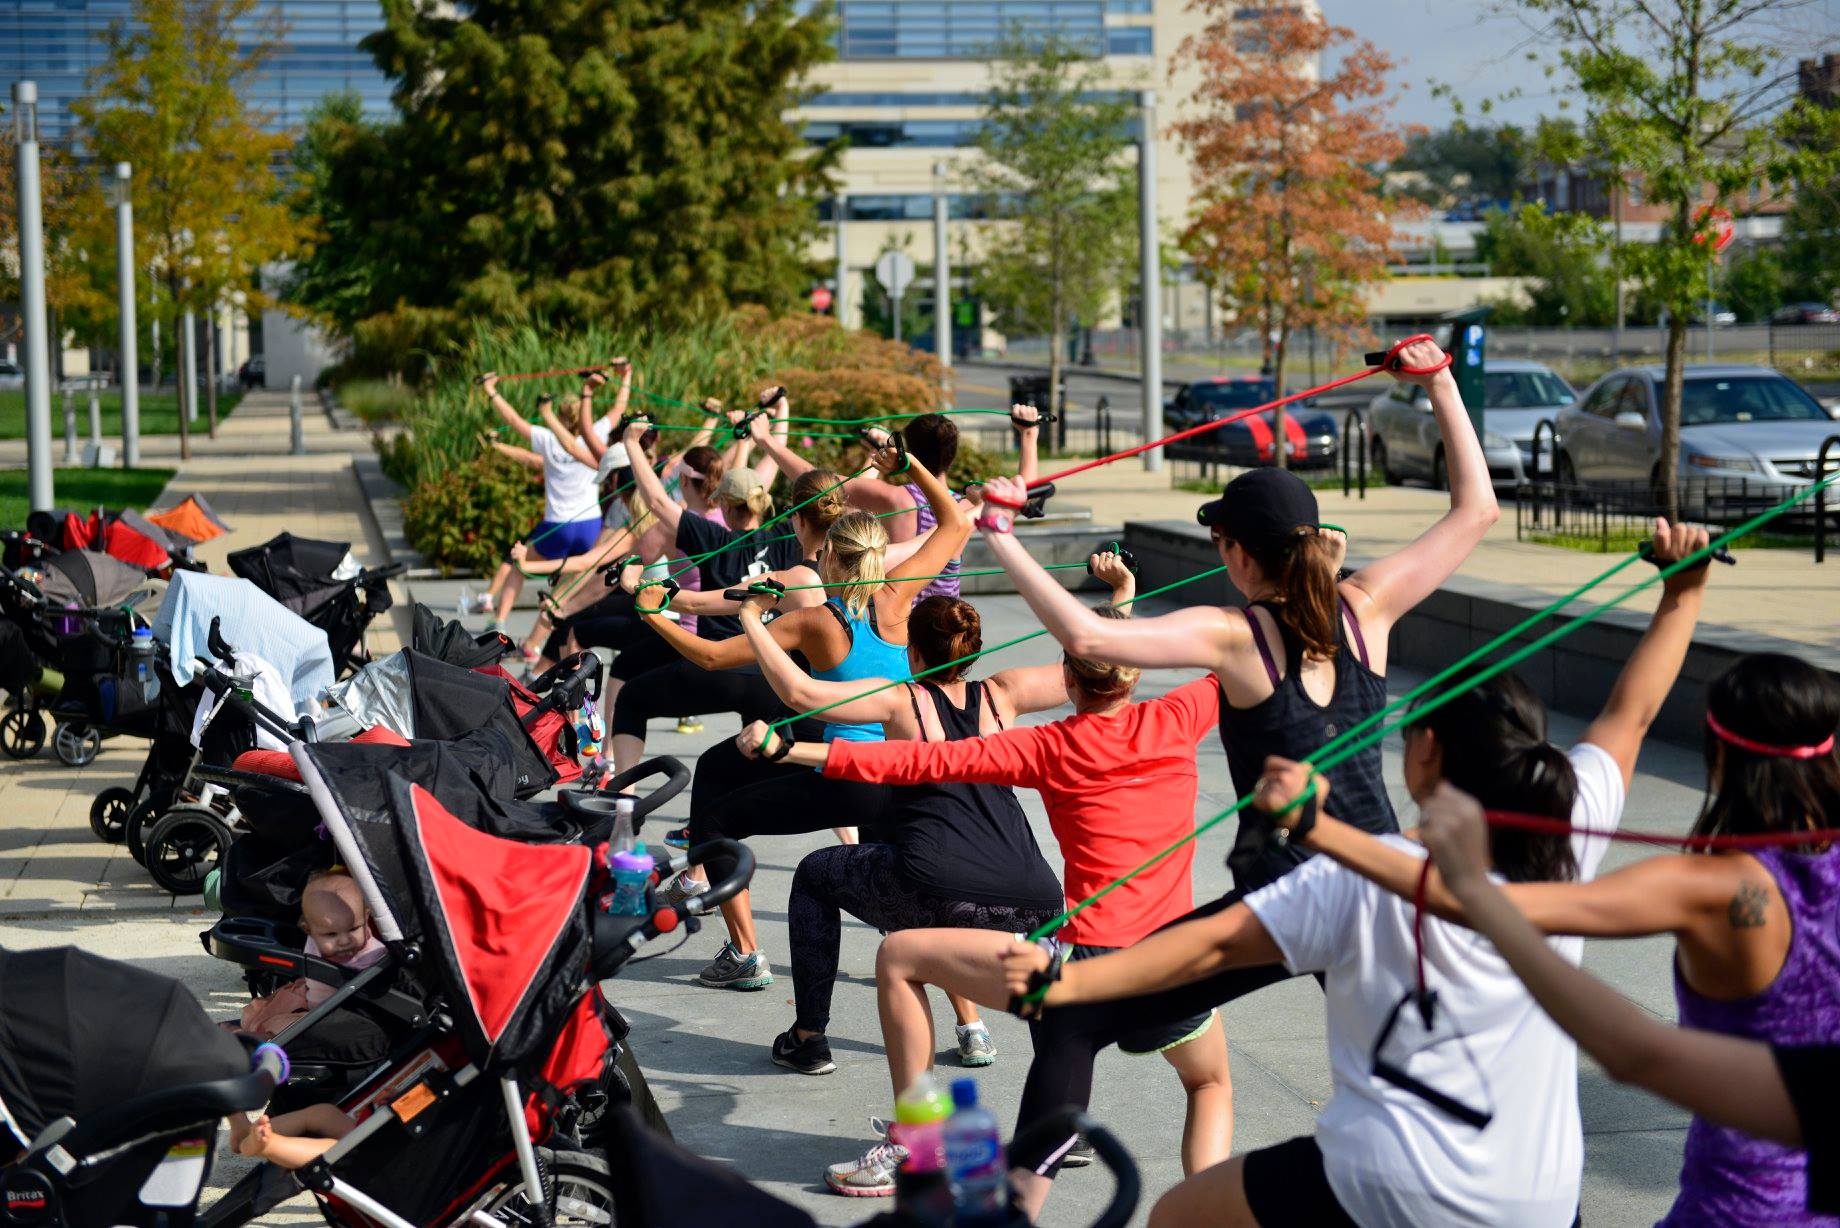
x=818, y=494
x=1308, y=602
x=1103, y=681
x=855, y=553
x=708, y=462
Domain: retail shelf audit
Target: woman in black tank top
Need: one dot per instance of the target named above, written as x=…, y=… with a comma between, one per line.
x=1305, y=662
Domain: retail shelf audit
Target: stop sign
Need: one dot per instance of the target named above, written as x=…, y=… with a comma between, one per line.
x=821, y=299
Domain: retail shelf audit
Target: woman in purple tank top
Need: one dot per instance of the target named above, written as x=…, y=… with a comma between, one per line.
x=1757, y=934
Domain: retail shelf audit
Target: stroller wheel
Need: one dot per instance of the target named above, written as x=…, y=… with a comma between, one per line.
x=185, y=846
x=77, y=745
x=22, y=733
x=578, y=1188
x=108, y=814
x=139, y=827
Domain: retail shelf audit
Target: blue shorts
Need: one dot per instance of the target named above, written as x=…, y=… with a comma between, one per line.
x=558, y=539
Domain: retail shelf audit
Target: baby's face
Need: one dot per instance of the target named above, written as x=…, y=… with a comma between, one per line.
x=336, y=921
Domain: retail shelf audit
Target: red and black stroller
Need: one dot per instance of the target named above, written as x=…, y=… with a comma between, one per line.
x=127, y=535
x=477, y=1115
x=321, y=582
x=102, y=1124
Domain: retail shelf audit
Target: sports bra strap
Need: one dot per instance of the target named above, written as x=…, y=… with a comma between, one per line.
x=913, y=700
x=1258, y=638
x=843, y=620
x=996, y=713
x=1354, y=625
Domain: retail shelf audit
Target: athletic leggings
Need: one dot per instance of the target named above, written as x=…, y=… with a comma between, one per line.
x=790, y=802
x=865, y=881
x=1068, y=1039
x=608, y=623
x=678, y=688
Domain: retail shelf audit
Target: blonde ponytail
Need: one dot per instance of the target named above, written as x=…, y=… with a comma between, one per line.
x=855, y=553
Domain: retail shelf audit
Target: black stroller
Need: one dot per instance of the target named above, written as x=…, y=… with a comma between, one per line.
x=480, y=1112
x=312, y=579
x=102, y=1124
x=76, y=615
x=446, y=640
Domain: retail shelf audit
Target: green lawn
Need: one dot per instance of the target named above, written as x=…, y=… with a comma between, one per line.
x=83, y=489
x=1624, y=541
x=159, y=413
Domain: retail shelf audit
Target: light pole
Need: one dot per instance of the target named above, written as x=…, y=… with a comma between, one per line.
x=129, y=363
x=942, y=272
x=840, y=300
x=37, y=355
x=1150, y=292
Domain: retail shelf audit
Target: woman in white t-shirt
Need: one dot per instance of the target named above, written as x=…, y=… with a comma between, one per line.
x=571, y=521
x=1470, y=1118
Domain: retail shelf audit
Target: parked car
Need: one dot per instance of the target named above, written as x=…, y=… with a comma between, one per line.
x=1403, y=437
x=1805, y=313
x=1311, y=433
x=12, y=375
x=253, y=373
x=1745, y=422
x=1722, y=316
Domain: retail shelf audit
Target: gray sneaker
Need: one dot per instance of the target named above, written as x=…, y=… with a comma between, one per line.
x=871, y=1176
x=975, y=1048
x=731, y=970
x=679, y=889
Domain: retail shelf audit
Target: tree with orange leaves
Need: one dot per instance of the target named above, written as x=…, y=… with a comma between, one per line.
x=1288, y=228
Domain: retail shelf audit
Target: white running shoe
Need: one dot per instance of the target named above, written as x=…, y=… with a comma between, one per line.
x=871, y=1175
x=975, y=1048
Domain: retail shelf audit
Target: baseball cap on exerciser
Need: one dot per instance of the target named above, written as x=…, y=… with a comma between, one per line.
x=737, y=485
x=1259, y=508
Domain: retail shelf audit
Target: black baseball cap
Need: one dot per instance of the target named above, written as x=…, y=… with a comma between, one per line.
x=1260, y=508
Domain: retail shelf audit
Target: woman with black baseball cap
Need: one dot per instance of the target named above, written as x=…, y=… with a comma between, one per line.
x=1301, y=662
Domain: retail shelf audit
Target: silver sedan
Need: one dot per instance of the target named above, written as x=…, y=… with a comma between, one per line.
x=1404, y=441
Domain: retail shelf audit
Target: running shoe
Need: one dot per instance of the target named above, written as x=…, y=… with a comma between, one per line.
x=678, y=837
x=975, y=1048
x=679, y=889
x=689, y=724
x=811, y=1056
x=1079, y=1155
x=732, y=970
x=871, y=1176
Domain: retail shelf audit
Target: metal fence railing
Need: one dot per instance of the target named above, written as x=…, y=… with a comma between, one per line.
x=1806, y=351
x=1614, y=516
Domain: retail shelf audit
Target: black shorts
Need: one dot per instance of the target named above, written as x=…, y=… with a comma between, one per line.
x=1286, y=1184
x=1154, y=1038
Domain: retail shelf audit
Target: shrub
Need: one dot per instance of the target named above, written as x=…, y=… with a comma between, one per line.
x=467, y=522
x=376, y=401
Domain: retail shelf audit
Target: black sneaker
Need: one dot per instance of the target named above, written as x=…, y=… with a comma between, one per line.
x=811, y=1056
x=1079, y=1155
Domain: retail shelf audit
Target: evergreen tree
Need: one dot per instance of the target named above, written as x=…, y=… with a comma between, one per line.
x=568, y=160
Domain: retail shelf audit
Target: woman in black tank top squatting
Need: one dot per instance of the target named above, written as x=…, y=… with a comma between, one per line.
x=959, y=855
x=1301, y=663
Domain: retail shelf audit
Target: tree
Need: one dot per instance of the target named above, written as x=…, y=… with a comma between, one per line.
x=1811, y=241
x=1056, y=169
x=1288, y=223
x=1688, y=102
x=1753, y=283
x=168, y=98
x=1474, y=162
x=1565, y=255
x=569, y=161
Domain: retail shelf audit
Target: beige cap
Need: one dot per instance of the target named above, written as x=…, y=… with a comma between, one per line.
x=737, y=486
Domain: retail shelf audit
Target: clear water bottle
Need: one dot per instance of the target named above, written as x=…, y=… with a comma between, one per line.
x=140, y=648
x=974, y=1160
x=621, y=841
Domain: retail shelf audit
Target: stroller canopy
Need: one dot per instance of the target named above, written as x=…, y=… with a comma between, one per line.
x=252, y=621
x=64, y=1049
x=453, y=643
x=90, y=578
x=133, y=538
x=288, y=567
x=191, y=519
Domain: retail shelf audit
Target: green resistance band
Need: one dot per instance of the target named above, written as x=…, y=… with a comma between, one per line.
x=944, y=575
x=692, y=560
x=984, y=652
x=1322, y=759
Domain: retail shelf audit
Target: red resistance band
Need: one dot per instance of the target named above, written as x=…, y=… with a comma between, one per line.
x=516, y=375
x=1824, y=747
x=1387, y=361
x=1547, y=825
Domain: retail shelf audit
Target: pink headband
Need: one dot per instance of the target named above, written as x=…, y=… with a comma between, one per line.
x=693, y=474
x=1825, y=746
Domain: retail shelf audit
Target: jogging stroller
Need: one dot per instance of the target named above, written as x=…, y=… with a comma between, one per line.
x=478, y=1116
x=321, y=582
x=449, y=641
x=127, y=535
x=75, y=615
x=102, y=1124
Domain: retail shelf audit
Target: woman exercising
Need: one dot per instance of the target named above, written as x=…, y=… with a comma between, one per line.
x=958, y=854
x=1120, y=783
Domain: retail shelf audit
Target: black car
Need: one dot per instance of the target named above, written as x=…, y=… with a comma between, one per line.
x=1805, y=313
x=1311, y=432
x=252, y=374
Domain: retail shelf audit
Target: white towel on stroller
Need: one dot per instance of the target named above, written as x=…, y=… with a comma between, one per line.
x=251, y=621
x=263, y=681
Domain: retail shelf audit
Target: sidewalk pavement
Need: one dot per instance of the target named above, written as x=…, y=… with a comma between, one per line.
x=50, y=862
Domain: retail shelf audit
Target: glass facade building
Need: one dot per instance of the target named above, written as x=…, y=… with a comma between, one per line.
x=57, y=42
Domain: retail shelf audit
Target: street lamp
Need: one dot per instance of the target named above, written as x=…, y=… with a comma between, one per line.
x=1150, y=292
x=942, y=271
x=129, y=364
x=37, y=356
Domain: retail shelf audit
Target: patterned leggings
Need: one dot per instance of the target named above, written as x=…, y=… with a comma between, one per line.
x=862, y=880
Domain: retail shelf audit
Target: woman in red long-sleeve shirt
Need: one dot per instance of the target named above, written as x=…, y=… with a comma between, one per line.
x=1120, y=784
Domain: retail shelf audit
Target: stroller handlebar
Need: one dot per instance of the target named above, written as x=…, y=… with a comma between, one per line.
x=615, y=937
x=175, y=1108
x=677, y=778
x=388, y=571
x=1127, y=1185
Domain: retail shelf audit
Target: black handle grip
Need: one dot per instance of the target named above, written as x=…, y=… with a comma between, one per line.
x=214, y=640
x=1037, y=504
x=387, y=572
x=730, y=887
x=677, y=777
x=771, y=396
x=1046, y=1135
x=1124, y=556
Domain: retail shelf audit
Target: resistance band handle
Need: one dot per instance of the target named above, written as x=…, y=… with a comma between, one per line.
x=895, y=441
x=631, y=418
x=771, y=396
x=1124, y=556
x=782, y=746
x=740, y=429
x=1037, y=505
x=1388, y=359
x=611, y=572
x=763, y=588
x=1646, y=548
x=1028, y=1004
x=1022, y=424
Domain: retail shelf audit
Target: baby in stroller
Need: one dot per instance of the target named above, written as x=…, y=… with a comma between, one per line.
x=338, y=929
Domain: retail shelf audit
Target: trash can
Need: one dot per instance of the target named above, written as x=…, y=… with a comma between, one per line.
x=1468, y=351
